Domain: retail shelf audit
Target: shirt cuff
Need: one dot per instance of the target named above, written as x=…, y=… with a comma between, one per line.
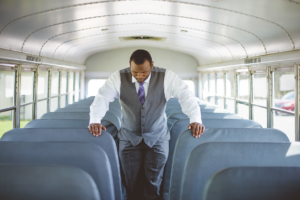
x=196, y=119
x=95, y=120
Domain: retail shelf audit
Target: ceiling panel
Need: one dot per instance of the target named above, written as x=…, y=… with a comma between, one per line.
x=216, y=31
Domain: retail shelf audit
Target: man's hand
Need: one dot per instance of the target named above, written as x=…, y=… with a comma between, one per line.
x=197, y=129
x=96, y=129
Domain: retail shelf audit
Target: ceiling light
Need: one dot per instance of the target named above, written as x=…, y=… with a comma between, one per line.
x=183, y=31
x=106, y=29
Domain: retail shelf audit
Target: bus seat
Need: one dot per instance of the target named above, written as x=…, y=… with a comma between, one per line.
x=178, y=110
x=69, y=109
x=174, y=118
x=181, y=125
x=186, y=143
x=209, y=158
x=70, y=123
x=177, y=116
x=46, y=182
x=210, y=115
x=105, y=141
x=86, y=156
x=82, y=115
x=170, y=106
x=66, y=115
x=257, y=183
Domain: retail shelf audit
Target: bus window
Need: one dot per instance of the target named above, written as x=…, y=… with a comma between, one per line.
x=26, y=87
x=77, y=86
x=284, y=98
x=260, y=98
x=230, y=105
x=211, y=88
x=243, y=91
x=260, y=115
x=63, y=101
x=63, y=89
x=243, y=110
x=6, y=122
x=54, y=83
x=71, y=88
x=25, y=115
x=230, y=92
x=6, y=89
x=42, y=84
x=54, y=104
x=54, y=90
x=41, y=108
x=260, y=89
x=94, y=85
x=230, y=84
x=205, y=86
x=6, y=99
x=220, y=90
x=191, y=85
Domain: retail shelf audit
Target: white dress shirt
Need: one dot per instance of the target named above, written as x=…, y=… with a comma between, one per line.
x=173, y=87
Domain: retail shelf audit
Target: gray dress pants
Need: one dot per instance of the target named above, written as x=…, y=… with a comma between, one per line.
x=143, y=168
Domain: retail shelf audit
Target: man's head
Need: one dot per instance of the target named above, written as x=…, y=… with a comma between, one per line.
x=141, y=65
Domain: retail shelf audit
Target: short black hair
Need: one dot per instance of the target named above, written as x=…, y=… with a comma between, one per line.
x=139, y=57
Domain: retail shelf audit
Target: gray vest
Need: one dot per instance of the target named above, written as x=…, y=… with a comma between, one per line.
x=148, y=121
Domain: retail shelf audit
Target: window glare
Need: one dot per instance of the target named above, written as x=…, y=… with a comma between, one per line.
x=94, y=85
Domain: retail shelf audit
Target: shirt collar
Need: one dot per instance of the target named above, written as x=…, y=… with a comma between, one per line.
x=146, y=81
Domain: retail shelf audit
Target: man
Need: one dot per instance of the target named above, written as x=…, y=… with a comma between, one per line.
x=144, y=138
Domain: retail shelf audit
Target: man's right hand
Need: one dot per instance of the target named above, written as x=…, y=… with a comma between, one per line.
x=96, y=129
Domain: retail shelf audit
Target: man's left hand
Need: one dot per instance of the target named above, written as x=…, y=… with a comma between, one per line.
x=197, y=129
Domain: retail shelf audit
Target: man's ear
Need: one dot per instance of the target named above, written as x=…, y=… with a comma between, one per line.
x=152, y=64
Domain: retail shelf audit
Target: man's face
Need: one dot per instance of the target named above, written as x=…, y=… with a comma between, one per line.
x=142, y=71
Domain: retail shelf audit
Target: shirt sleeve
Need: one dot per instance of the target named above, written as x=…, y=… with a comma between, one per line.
x=106, y=94
x=174, y=86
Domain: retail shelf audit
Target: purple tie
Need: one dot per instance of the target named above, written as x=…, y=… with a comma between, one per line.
x=141, y=93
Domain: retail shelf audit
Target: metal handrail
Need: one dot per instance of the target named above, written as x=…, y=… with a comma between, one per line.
x=284, y=111
x=257, y=105
x=7, y=109
x=242, y=102
x=42, y=99
x=26, y=104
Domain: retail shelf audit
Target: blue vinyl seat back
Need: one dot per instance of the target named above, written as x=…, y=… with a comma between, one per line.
x=186, y=143
x=70, y=123
x=214, y=110
x=250, y=183
x=177, y=116
x=230, y=123
x=46, y=182
x=173, y=111
x=203, y=107
x=66, y=115
x=181, y=125
x=209, y=115
x=174, y=118
x=80, y=107
x=199, y=101
x=113, y=118
x=68, y=109
x=105, y=141
x=86, y=156
x=178, y=110
x=209, y=158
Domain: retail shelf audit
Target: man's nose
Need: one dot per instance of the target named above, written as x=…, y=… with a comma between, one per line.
x=139, y=75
